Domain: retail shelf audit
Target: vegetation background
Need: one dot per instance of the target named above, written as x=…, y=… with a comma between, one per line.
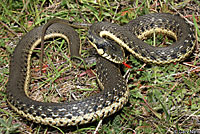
x=164, y=99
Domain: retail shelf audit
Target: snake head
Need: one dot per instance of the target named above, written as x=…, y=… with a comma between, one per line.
x=106, y=47
x=112, y=51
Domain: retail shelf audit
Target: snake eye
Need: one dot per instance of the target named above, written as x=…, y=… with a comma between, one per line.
x=91, y=39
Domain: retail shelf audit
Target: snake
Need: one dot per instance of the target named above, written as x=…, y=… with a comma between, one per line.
x=115, y=92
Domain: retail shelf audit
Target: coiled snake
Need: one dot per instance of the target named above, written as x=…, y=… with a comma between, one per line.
x=115, y=92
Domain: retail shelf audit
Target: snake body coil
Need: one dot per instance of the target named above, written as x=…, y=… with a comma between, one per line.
x=130, y=35
x=115, y=92
x=111, y=99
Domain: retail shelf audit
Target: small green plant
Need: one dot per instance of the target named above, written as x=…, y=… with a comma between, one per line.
x=7, y=127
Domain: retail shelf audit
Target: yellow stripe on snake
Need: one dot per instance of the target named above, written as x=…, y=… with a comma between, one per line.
x=115, y=92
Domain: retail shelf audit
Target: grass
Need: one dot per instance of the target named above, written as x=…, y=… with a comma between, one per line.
x=164, y=99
